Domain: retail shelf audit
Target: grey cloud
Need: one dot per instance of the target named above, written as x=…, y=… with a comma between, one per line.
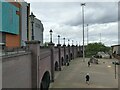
x=70, y=12
x=65, y=20
x=96, y=13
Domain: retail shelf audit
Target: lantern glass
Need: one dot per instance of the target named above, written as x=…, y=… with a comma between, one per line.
x=51, y=31
x=58, y=36
x=32, y=16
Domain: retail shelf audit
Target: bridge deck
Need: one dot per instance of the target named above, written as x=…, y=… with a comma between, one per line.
x=73, y=76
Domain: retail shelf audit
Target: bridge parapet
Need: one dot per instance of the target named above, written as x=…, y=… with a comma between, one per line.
x=45, y=59
x=11, y=51
x=16, y=70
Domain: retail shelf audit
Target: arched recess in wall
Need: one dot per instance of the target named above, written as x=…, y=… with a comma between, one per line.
x=62, y=59
x=78, y=53
x=71, y=56
x=56, y=66
x=45, y=82
x=67, y=60
x=67, y=57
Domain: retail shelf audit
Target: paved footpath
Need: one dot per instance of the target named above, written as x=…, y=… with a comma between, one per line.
x=101, y=75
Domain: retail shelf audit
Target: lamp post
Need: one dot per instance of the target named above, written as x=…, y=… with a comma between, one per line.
x=83, y=4
x=51, y=35
x=72, y=42
x=115, y=70
x=100, y=37
x=79, y=43
x=32, y=16
x=68, y=41
x=76, y=43
x=64, y=40
x=87, y=34
x=58, y=39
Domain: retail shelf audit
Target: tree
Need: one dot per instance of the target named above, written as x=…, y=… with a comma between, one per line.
x=46, y=44
x=94, y=48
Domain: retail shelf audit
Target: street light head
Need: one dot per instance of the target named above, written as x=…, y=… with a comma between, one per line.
x=64, y=40
x=82, y=4
x=31, y=13
x=68, y=41
x=51, y=31
x=51, y=35
x=58, y=39
x=32, y=16
x=58, y=36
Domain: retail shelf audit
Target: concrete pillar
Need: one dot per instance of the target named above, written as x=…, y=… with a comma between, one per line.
x=64, y=46
x=59, y=56
x=51, y=46
x=34, y=47
x=73, y=51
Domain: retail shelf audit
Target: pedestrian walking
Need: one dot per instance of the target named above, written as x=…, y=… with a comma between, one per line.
x=87, y=78
x=88, y=63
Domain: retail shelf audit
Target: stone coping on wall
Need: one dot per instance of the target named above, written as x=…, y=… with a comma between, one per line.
x=51, y=44
x=15, y=55
x=32, y=42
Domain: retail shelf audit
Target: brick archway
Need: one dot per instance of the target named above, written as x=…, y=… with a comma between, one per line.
x=71, y=56
x=62, y=60
x=56, y=66
x=45, y=82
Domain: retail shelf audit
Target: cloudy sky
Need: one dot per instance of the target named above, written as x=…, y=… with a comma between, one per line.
x=65, y=19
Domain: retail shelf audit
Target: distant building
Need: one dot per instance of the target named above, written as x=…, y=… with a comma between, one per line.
x=38, y=30
x=14, y=23
x=25, y=12
x=10, y=23
x=116, y=49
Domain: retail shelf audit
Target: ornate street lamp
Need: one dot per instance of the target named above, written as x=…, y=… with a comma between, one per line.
x=58, y=39
x=64, y=40
x=32, y=16
x=51, y=35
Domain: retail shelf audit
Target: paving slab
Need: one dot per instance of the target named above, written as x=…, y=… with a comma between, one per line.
x=102, y=75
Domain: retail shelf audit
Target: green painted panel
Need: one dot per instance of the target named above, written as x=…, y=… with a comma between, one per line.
x=10, y=20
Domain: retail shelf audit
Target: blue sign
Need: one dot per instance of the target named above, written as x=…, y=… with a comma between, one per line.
x=10, y=19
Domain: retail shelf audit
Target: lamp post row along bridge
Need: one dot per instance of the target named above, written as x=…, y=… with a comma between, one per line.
x=33, y=66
